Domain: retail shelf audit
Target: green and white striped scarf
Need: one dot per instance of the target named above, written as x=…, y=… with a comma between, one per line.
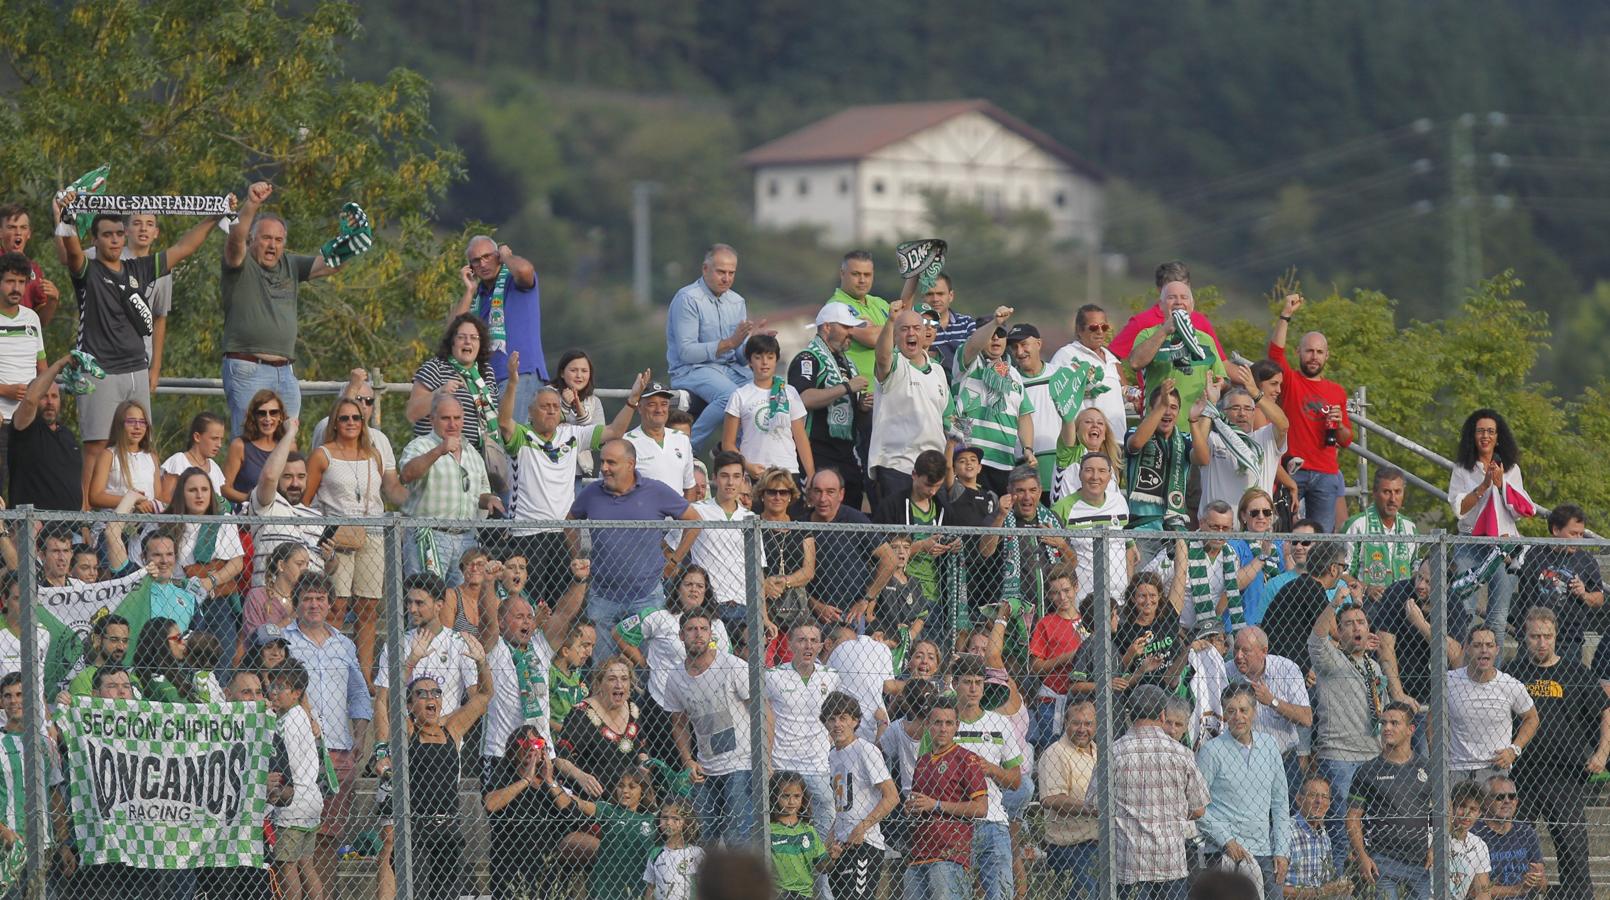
x=1246, y=452
x=834, y=372
x=1202, y=599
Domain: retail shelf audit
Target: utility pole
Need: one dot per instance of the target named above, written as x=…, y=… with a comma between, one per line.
x=1464, y=231
x=642, y=242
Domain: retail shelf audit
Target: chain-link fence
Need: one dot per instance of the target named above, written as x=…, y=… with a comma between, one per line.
x=214, y=708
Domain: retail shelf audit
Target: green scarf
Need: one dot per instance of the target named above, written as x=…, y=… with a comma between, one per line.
x=777, y=398
x=91, y=182
x=999, y=385
x=354, y=238
x=1156, y=477
x=841, y=411
x=1202, y=600
x=1379, y=563
x=532, y=690
x=486, y=410
x=1072, y=385
x=494, y=314
x=1186, y=333
x=1017, y=585
x=1248, y=455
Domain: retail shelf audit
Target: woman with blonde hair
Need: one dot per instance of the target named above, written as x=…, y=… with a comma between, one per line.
x=349, y=476
x=129, y=465
x=1087, y=432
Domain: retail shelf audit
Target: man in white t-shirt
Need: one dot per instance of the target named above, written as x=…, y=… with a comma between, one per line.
x=708, y=699
x=765, y=418
x=1482, y=703
x=519, y=655
x=22, y=337
x=863, y=795
x=281, y=488
x=1095, y=507
x=908, y=407
x=11, y=635
x=863, y=665
x=795, y=691
x=1469, y=860
x=1091, y=335
x=991, y=737
x=1232, y=455
x=438, y=652
x=663, y=454
x=720, y=551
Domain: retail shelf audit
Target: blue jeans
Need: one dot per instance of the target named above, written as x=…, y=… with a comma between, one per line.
x=942, y=880
x=1078, y=863
x=450, y=546
x=726, y=805
x=242, y=379
x=992, y=857
x=1401, y=879
x=713, y=384
x=1339, y=773
x=1319, y=492
x=605, y=611
x=530, y=383
x=1500, y=589
x=823, y=810
x=1154, y=890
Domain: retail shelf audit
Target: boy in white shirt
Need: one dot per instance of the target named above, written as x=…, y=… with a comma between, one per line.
x=296, y=824
x=863, y=794
x=766, y=418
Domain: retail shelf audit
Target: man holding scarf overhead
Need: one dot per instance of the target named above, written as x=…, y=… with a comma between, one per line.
x=501, y=288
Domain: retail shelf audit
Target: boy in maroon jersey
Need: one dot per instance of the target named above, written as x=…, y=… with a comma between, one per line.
x=947, y=794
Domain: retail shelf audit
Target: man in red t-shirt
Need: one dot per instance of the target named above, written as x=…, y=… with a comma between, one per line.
x=947, y=794
x=1317, y=408
x=1168, y=272
x=16, y=230
x=1052, y=647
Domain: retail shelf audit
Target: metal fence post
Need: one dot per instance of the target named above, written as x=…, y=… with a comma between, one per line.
x=1362, y=438
x=1438, y=718
x=397, y=711
x=33, y=710
x=1101, y=633
x=757, y=689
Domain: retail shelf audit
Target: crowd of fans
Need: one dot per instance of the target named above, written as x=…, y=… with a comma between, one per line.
x=923, y=690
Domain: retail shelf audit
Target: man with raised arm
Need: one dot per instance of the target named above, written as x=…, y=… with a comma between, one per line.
x=1317, y=408
x=501, y=288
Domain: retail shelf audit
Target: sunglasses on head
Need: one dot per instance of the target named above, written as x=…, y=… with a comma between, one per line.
x=366, y=401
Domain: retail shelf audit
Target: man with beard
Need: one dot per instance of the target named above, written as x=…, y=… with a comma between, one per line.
x=501, y=288
x=15, y=232
x=1373, y=565
x=22, y=336
x=1317, y=408
x=281, y=488
x=835, y=395
x=43, y=456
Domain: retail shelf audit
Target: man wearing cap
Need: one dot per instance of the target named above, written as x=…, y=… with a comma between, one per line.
x=704, y=337
x=835, y=394
x=1091, y=333
x=1058, y=392
x=663, y=454
x=991, y=411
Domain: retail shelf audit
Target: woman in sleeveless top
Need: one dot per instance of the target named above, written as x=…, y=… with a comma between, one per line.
x=461, y=606
x=347, y=476
x=128, y=465
x=263, y=428
x=210, y=551
x=206, y=439
x=434, y=743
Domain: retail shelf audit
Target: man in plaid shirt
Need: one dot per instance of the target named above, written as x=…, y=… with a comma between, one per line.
x=1311, y=875
x=1156, y=792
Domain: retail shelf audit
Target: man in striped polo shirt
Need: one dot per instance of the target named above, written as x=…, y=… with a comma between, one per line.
x=989, y=408
x=13, y=783
x=952, y=328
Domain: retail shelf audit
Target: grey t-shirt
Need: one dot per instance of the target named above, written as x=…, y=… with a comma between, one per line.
x=1350, y=692
x=260, y=305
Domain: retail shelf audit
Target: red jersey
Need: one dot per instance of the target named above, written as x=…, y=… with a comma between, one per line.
x=1054, y=636
x=1304, y=402
x=953, y=776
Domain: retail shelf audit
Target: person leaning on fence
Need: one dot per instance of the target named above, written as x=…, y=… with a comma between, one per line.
x=1482, y=701
x=1389, y=813
x=1572, y=744
x=1513, y=847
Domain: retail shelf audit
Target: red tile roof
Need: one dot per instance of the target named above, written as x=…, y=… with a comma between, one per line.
x=859, y=131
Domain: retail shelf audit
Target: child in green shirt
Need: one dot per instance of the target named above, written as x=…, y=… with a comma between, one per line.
x=566, y=687
x=798, y=852
x=627, y=839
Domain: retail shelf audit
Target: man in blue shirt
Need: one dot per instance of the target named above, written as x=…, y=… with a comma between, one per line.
x=1513, y=849
x=1247, y=818
x=626, y=562
x=501, y=288
x=704, y=337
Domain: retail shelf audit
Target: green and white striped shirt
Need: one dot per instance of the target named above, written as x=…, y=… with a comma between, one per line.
x=987, y=415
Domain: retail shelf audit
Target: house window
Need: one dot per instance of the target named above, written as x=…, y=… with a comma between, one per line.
x=844, y=185
x=804, y=186
x=1061, y=199
x=772, y=187
x=877, y=185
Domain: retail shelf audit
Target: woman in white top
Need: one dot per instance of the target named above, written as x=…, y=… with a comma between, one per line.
x=1488, y=495
x=128, y=465
x=206, y=439
x=348, y=476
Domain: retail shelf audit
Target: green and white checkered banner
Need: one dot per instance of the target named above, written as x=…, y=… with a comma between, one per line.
x=168, y=785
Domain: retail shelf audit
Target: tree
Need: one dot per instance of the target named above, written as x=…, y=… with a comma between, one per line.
x=186, y=96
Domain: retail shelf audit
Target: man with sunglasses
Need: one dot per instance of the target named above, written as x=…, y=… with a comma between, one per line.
x=1513, y=849
x=1091, y=334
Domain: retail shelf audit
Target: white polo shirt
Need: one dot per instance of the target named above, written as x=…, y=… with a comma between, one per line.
x=668, y=462
x=799, y=742
x=505, y=711
x=446, y=663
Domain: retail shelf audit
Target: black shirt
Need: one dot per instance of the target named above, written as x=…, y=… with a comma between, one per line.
x=1390, y=614
x=1569, y=702
x=900, y=603
x=1545, y=580
x=806, y=374
x=843, y=558
x=972, y=508
x=1164, y=643
x=1290, y=617
x=105, y=328
x=1396, y=800
x=46, y=467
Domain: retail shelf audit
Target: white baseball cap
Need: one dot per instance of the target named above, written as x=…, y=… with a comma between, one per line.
x=837, y=313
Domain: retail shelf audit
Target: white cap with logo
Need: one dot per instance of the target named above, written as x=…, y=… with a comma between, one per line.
x=837, y=313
